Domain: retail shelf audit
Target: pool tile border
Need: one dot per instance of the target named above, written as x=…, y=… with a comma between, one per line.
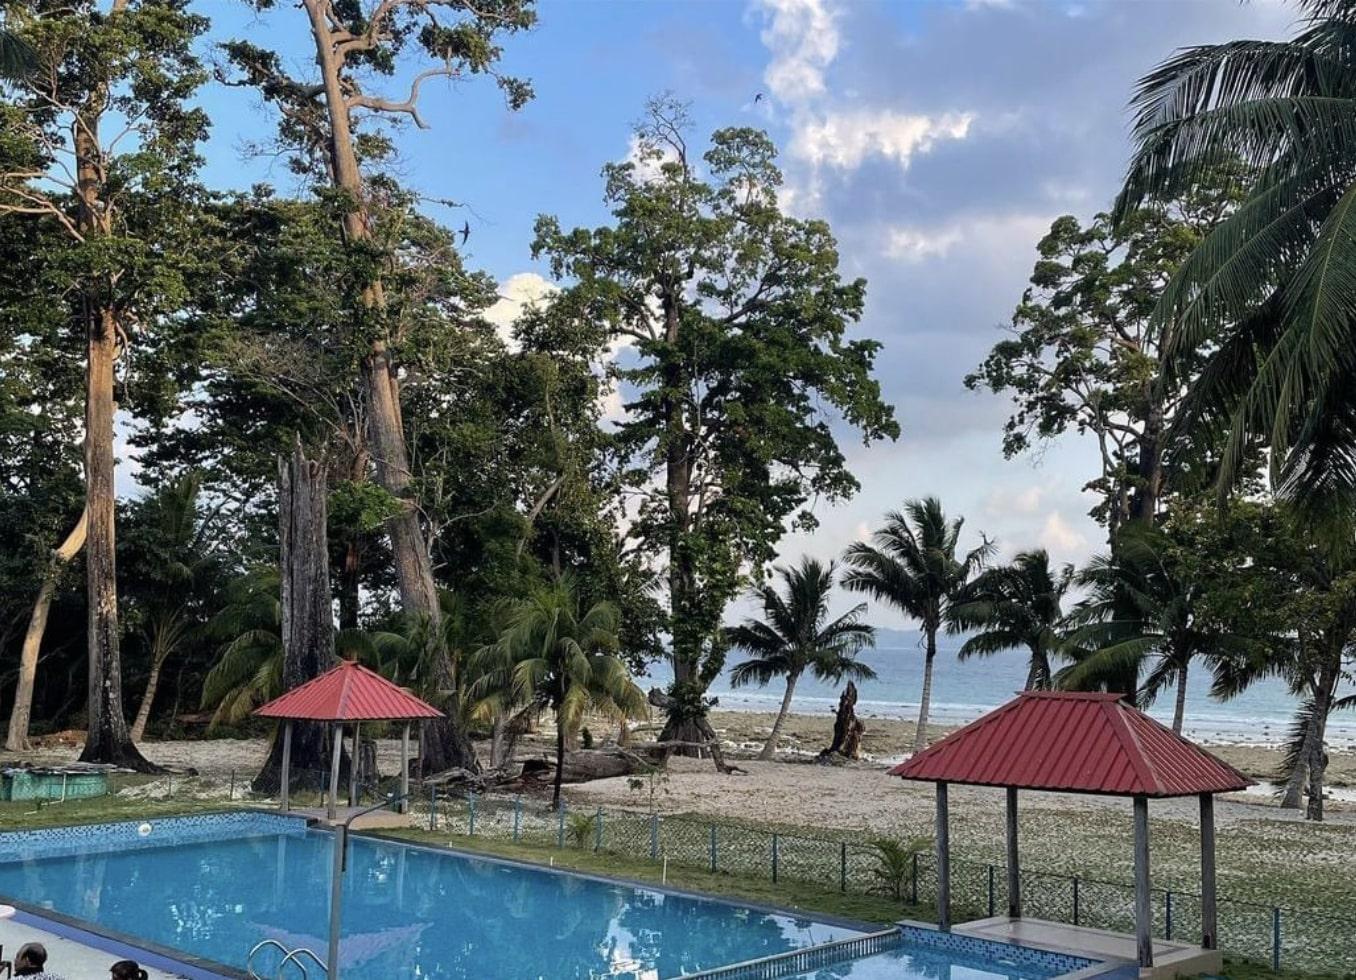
x=19, y=845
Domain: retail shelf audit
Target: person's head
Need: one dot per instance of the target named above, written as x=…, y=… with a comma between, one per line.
x=30, y=959
x=127, y=970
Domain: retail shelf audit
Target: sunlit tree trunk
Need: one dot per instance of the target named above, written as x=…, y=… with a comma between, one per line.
x=1179, y=711
x=21, y=714
x=920, y=737
x=770, y=747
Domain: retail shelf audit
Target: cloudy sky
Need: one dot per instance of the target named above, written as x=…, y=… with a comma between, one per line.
x=939, y=139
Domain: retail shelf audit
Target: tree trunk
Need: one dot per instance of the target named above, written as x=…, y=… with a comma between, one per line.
x=1038, y=671
x=1318, y=755
x=108, y=739
x=307, y=618
x=847, y=727
x=920, y=737
x=147, y=699
x=560, y=762
x=444, y=744
x=21, y=714
x=349, y=597
x=1149, y=470
x=1179, y=711
x=770, y=746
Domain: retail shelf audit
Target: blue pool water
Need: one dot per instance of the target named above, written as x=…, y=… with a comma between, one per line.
x=216, y=889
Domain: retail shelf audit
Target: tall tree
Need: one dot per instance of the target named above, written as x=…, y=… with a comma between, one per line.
x=796, y=635
x=914, y=563
x=1085, y=352
x=120, y=201
x=1270, y=292
x=355, y=46
x=1013, y=606
x=735, y=316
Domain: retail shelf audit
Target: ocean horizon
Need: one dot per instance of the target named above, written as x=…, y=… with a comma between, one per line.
x=964, y=690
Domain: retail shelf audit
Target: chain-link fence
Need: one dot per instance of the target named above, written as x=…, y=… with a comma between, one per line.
x=1281, y=936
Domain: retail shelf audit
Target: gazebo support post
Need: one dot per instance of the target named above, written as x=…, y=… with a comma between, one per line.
x=353, y=766
x=405, y=769
x=943, y=862
x=1014, y=866
x=1143, y=911
x=337, y=738
x=1209, y=917
x=287, y=764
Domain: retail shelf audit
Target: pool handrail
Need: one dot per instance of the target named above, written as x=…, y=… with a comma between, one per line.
x=289, y=956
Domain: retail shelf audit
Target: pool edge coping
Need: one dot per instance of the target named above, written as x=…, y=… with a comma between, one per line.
x=96, y=936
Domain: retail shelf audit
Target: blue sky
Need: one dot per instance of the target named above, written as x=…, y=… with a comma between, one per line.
x=939, y=139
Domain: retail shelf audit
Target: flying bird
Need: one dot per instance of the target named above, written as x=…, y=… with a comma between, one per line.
x=758, y=98
x=465, y=231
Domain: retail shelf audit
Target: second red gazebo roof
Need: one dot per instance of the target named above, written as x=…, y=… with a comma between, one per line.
x=348, y=692
x=1073, y=742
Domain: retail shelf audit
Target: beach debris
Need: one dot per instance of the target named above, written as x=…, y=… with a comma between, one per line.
x=847, y=729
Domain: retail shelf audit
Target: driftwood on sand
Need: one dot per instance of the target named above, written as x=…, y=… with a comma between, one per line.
x=847, y=729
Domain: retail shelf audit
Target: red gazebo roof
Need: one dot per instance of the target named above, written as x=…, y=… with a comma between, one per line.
x=348, y=692
x=1073, y=742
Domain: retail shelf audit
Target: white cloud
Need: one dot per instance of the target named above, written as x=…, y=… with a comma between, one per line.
x=803, y=37
x=844, y=140
x=1061, y=539
x=912, y=245
x=1006, y=501
x=516, y=293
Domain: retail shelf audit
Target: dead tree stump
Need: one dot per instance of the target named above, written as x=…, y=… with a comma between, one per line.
x=847, y=728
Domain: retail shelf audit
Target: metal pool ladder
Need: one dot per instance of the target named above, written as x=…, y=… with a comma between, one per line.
x=293, y=957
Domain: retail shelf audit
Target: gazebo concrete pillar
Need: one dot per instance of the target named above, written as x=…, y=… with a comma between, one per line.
x=943, y=861
x=287, y=764
x=353, y=765
x=405, y=768
x=337, y=737
x=1209, y=915
x=1014, y=865
x=1144, y=940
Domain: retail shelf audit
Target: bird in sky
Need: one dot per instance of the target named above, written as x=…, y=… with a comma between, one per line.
x=758, y=98
x=465, y=231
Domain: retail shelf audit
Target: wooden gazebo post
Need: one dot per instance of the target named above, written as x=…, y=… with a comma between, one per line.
x=286, y=764
x=943, y=860
x=1209, y=922
x=336, y=737
x=1014, y=866
x=1144, y=916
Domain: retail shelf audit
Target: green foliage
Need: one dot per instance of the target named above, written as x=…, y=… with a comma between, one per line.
x=1086, y=354
x=1013, y=606
x=893, y=863
x=582, y=828
x=736, y=316
x=1269, y=293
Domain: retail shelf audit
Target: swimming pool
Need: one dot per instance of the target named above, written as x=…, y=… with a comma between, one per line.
x=213, y=886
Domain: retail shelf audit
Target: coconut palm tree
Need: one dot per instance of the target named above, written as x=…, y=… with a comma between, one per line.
x=247, y=671
x=1143, y=619
x=1014, y=606
x=1270, y=293
x=565, y=657
x=913, y=563
x=796, y=635
x=16, y=57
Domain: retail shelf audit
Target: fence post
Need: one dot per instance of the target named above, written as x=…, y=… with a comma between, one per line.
x=774, y=859
x=471, y=814
x=232, y=795
x=654, y=837
x=1275, y=937
x=913, y=892
x=517, y=818
x=560, y=826
x=842, y=867
x=713, y=848
x=433, y=808
x=1075, y=897
x=598, y=831
x=991, y=891
x=1167, y=915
